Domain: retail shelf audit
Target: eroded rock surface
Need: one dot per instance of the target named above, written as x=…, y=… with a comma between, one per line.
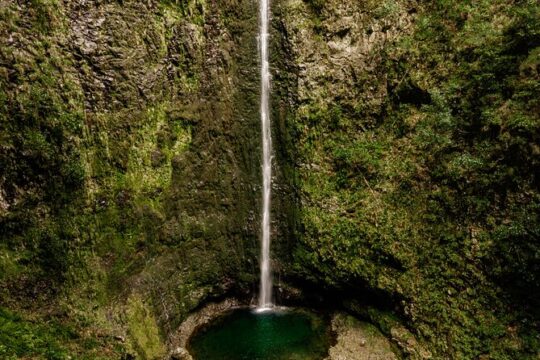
x=358, y=340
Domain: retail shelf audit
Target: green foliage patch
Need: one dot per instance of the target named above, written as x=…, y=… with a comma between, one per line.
x=24, y=339
x=434, y=199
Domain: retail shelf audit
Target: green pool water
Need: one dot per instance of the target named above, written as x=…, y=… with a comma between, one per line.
x=280, y=335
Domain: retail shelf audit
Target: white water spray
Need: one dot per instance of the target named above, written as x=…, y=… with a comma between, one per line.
x=265, y=291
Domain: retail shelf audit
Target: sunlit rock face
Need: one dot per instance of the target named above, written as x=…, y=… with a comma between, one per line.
x=337, y=48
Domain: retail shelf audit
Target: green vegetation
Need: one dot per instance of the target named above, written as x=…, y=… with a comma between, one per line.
x=129, y=157
x=41, y=120
x=19, y=338
x=97, y=155
x=50, y=339
x=144, y=330
x=433, y=197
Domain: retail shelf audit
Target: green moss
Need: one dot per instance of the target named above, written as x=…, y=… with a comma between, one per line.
x=143, y=330
x=122, y=172
x=84, y=182
x=21, y=339
x=415, y=203
x=386, y=8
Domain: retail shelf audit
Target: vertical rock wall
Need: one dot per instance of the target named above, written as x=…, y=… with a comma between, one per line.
x=411, y=138
x=144, y=119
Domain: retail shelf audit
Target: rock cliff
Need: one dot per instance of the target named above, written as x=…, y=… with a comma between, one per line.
x=406, y=160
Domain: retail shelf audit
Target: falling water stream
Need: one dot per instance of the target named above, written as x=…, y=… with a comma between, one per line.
x=265, y=291
x=268, y=332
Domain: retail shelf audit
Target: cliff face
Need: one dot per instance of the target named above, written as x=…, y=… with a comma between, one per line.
x=406, y=141
x=415, y=132
x=130, y=164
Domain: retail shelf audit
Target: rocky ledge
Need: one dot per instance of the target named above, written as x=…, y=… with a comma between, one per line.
x=179, y=340
x=358, y=340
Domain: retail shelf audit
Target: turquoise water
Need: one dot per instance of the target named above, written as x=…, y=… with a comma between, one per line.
x=245, y=335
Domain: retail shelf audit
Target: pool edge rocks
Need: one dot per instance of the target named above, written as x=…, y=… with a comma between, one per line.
x=358, y=340
x=178, y=341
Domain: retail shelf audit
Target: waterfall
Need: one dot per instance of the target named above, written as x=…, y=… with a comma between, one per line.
x=265, y=291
